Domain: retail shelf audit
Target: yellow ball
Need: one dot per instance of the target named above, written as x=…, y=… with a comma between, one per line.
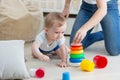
x=87, y=65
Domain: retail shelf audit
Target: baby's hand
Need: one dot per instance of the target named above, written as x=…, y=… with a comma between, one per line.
x=62, y=64
x=44, y=57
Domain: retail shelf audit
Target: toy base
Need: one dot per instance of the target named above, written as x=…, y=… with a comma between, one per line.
x=74, y=64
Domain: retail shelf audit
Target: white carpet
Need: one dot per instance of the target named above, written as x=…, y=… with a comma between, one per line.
x=53, y=72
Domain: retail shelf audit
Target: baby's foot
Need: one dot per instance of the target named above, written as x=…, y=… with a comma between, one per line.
x=44, y=57
x=62, y=64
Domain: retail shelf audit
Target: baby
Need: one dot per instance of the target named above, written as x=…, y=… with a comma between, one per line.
x=51, y=39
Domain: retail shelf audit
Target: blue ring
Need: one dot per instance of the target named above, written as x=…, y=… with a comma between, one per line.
x=76, y=60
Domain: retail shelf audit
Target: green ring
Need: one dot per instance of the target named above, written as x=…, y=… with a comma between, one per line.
x=77, y=55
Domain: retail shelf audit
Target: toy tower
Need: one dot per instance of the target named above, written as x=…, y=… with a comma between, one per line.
x=76, y=54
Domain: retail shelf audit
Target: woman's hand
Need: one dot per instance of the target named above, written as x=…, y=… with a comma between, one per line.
x=66, y=8
x=66, y=12
x=80, y=35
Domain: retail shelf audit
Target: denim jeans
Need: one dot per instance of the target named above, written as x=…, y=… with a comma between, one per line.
x=110, y=27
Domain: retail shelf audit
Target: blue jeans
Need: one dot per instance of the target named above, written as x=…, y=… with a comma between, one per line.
x=110, y=27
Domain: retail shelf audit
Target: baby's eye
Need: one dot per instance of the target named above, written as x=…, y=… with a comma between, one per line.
x=63, y=32
x=56, y=32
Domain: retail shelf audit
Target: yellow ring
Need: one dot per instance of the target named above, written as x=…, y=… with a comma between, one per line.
x=76, y=52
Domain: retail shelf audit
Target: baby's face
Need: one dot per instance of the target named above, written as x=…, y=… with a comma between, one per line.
x=56, y=33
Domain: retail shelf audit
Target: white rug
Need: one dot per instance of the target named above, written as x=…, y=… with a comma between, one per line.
x=53, y=72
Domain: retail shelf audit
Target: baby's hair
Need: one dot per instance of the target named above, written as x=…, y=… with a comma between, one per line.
x=54, y=18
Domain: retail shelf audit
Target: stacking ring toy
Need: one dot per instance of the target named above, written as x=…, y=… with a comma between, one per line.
x=76, y=54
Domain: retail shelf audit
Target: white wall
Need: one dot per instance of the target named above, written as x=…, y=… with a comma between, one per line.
x=58, y=5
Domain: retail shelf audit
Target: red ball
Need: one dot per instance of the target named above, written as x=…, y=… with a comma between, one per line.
x=100, y=61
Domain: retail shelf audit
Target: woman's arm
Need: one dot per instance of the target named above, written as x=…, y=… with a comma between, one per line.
x=66, y=8
x=95, y=19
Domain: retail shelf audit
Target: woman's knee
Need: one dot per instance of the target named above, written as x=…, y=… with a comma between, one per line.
x=113, y=52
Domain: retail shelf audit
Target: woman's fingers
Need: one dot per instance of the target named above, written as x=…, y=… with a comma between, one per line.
x=77, y=38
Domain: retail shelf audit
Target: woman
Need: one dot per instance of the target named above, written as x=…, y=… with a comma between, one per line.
x=91, y=13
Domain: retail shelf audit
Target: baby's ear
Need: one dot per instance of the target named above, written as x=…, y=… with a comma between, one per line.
x=46, y=29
